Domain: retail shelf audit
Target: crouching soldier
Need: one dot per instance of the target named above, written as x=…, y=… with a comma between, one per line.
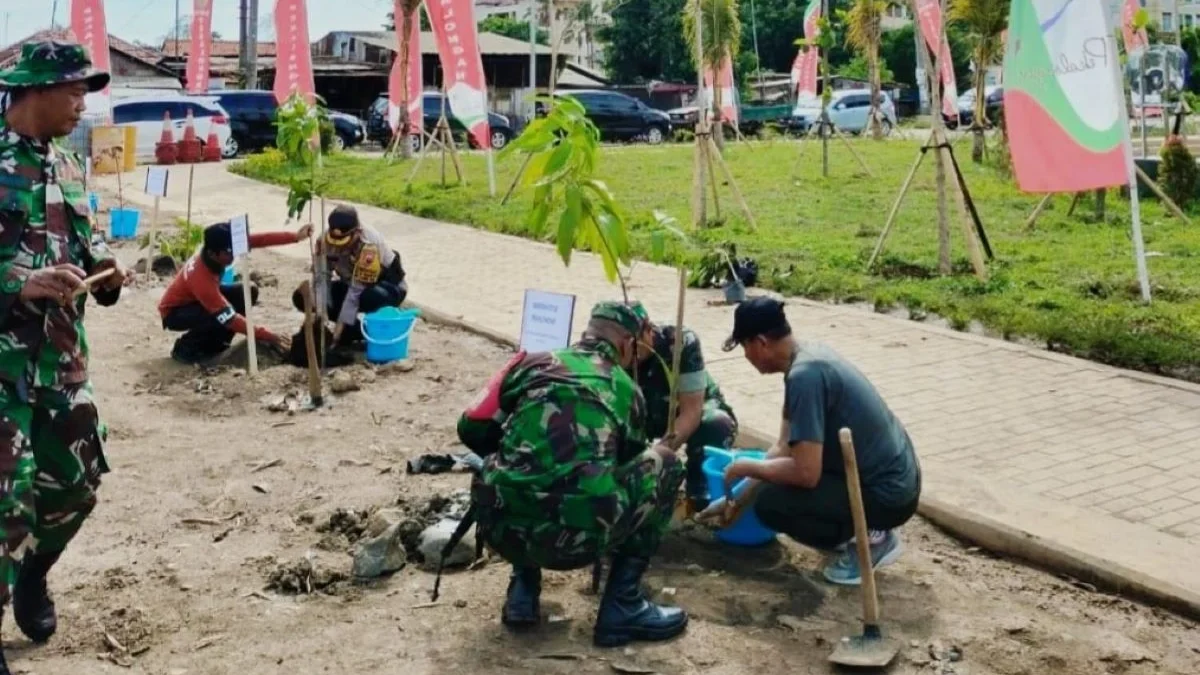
x=702, y=419
x=51, y=437
x=367, y=274
x=568, y=479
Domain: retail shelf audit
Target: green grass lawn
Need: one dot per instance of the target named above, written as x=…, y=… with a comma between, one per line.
x=1070, y=284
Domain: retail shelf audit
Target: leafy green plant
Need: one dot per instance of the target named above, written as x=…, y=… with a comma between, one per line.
x=297, y=124
x=181, y=243
x=564, y=149
x=1178, y=173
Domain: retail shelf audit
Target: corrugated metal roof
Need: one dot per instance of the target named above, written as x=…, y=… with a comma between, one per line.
x=146, y=55
x=490, y=44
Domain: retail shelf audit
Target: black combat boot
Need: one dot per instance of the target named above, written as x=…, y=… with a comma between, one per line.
x=32, y=607
x=625, y=613
x=522, y=607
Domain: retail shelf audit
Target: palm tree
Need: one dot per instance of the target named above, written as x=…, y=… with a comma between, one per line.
x=985, y=21
x=409, y=10
x=864, y=31
x=722, y=34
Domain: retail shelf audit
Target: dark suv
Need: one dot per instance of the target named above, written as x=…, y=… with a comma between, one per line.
x=620, y=117
x=380, y=131
x=251, y=115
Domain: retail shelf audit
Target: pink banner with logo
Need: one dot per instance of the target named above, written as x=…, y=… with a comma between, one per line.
x=293, y=55
x=91, y=31
x=929, y=15
x=396, y=86
x=807, y=64
x=453, y=23
x=729, y=103
x=200, y=52
x=1134, y=40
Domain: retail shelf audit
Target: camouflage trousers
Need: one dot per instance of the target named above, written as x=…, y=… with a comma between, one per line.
x=650, y=482
x=51, y=459
x=718, y=428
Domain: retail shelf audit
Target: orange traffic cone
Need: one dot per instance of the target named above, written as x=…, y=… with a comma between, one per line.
x=165, y=151
x=189, y=146
x=212, y=145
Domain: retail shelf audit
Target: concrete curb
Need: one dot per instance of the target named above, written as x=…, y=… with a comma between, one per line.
x=986, y=532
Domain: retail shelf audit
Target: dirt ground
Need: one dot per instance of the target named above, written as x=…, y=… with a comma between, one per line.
x=211, y=491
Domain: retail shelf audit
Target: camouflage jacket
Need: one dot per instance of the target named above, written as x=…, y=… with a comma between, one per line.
x=45, y=220
x=563, y=421
x=693, y=377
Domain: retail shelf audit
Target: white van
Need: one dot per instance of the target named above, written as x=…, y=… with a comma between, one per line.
x=146, y=113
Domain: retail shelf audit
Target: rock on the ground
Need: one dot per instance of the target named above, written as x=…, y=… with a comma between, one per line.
x=396, y=367
x=342, y=382
x=379, y=555
x=435, y=538
x=382, y=520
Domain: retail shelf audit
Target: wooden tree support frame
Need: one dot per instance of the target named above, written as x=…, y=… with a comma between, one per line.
x=825, y=128
x=314, y=368
x=708, y=160
x=444, y=139
x=974, y=232
x=1078, y=196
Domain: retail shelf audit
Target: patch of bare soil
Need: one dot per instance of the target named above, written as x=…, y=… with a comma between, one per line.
x=223, y=540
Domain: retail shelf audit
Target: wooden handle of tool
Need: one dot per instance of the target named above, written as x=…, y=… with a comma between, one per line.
x=91, y=281
x=862, y=539
x=310, y=345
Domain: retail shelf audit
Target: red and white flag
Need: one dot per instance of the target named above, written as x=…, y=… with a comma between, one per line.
x=453, y=23
x=929, y=16
x=91, y=30
x=414, y=87
x=807, y=64
x=729, y=103
x=293, y=55
x=200, y=51
x=1135, y=41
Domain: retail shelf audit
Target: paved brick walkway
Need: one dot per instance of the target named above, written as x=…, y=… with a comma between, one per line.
x=1043, y=427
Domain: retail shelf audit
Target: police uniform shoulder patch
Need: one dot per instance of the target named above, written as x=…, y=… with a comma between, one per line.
x=368, y=266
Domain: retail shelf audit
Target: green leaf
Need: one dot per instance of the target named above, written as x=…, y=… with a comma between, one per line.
x=658, y=247
x=569, y=223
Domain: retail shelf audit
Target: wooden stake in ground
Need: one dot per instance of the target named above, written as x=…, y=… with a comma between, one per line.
x=240, y=229
x=826, y=128
x=191, y=181
x=157, y=178
x=310, y=347
x=152, y=243
x=445, y=141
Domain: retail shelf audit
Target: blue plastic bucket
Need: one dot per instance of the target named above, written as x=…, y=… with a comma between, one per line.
x=748, y=530
x=94, y=201
x=387, y=331
x=123, y=223
x=227, y=277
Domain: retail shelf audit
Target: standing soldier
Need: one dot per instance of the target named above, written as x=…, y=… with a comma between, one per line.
x=703, y=418
x=51, y=439
x=568, y=479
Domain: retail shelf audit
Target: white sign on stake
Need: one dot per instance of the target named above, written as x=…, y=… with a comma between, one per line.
x=156, y=180
x=546, y=321
x=240, y=228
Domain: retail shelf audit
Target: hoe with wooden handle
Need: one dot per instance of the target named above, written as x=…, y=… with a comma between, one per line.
x=869, y=650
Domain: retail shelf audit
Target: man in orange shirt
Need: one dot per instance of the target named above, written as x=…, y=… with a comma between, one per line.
x=208, y=312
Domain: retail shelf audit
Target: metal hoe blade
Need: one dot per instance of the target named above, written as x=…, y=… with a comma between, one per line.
x=869, y=650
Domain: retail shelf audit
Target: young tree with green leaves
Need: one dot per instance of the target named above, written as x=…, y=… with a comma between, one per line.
x=985, y=21
x=863, y=24
x=722, y=36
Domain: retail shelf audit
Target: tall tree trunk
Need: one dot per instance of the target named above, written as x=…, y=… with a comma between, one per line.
x=555, y=43
x=977, y=125
x=875, y=112
x=718, y=125
x=402, y=129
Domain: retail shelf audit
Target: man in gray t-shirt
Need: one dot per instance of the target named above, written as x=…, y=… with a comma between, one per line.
x=800, y=488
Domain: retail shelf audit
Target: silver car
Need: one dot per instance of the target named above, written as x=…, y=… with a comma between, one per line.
x=848, y=110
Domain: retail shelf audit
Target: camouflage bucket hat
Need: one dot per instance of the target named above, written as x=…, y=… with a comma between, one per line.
x=51, y=62
x=632, y=317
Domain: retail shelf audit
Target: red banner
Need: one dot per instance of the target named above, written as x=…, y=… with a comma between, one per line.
x=293, y=54
x=929, y=16
x=200, y=53
x=1135, y=41
x=91, y=31
x=415, y=75
x=729, y=103
x=453, y=23
x=807, y=64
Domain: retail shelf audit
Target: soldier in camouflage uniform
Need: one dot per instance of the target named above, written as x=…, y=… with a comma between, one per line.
x=703, y=418
x=568, y=478
x=51, y=454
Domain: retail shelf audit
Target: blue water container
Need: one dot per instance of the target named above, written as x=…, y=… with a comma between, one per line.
x=227, y=277
x=387, y=331
x=123, y=223
x=747, y=530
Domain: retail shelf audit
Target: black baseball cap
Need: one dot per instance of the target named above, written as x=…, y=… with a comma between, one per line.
x=754, y=317
x=218, y=238
x=343, y=219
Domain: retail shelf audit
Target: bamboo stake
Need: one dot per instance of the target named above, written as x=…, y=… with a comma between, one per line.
x=891, y=220
x=1171, y=205
x=712, y=176
x=969, y=232
x=677, y=354
x=1037, y=211
x=737, y=192
x=310, y=347
x=516, y=179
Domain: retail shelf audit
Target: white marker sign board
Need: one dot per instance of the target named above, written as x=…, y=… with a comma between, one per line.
x=546, y=321
x=240, y=227
x=156, y=180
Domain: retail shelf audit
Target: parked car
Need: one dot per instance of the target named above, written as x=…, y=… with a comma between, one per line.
x=849, y=110
x=751, y=118
x=380, y=131
x=993, y=106
x=252, y=114
x=348, y=130
x=146, y=114
x=620, y=117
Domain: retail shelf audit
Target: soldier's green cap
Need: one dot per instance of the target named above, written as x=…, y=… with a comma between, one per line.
x=632, y=316
x=51, y=62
